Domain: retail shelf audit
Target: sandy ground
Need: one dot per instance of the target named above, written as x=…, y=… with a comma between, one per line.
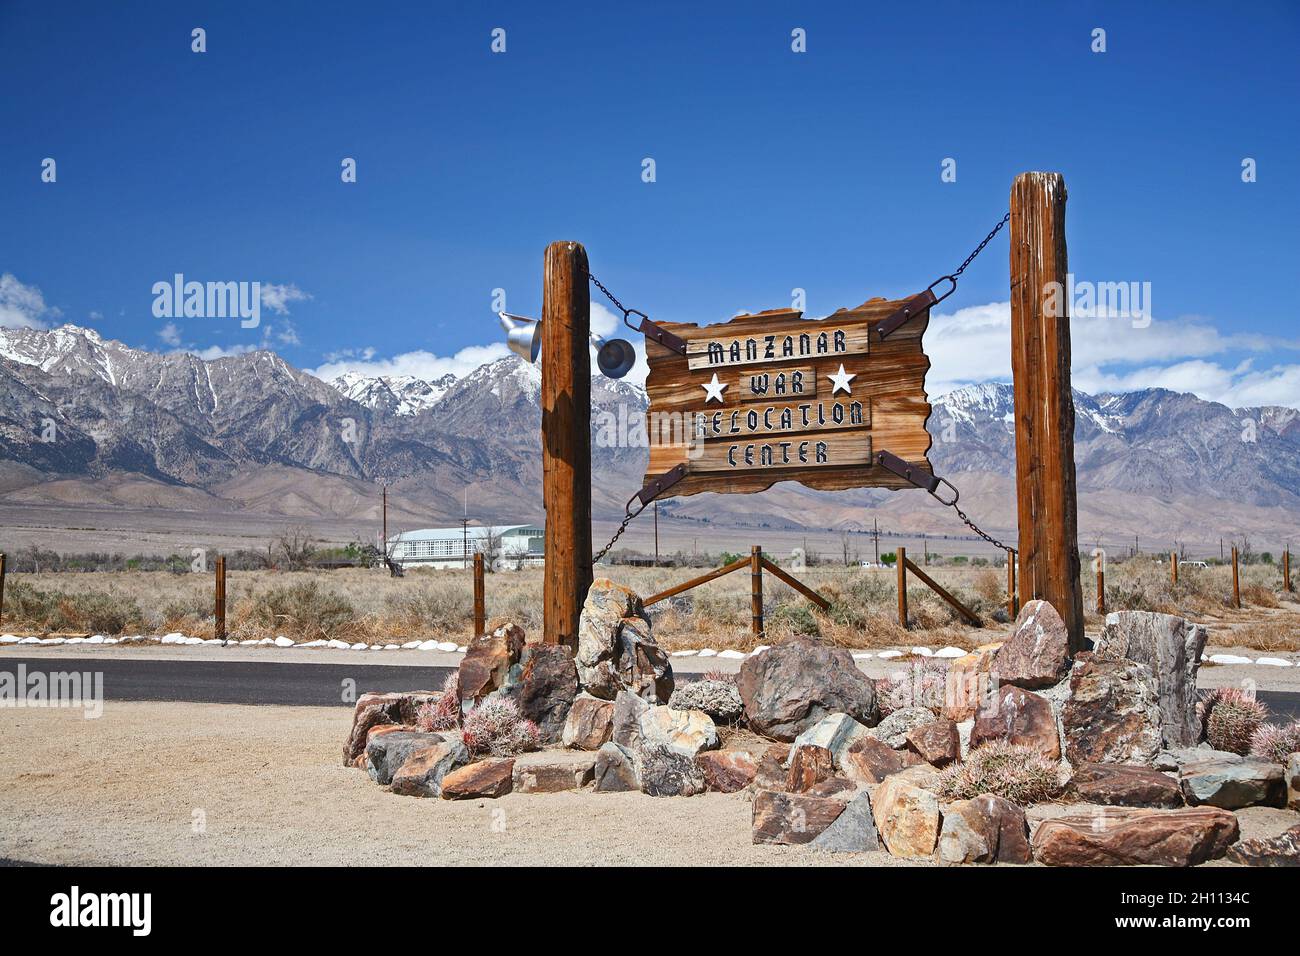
x=267, y=786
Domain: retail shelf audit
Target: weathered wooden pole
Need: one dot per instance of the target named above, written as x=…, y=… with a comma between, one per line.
x=480, y=624
x=1173, y=568
x=756, y=590
x=901, y=555
x=1236, y=579
x=566, y=439
x=220, y=603
x=1044, y=407
x=2, y=585
x=1101, y=589
x=1286, y=574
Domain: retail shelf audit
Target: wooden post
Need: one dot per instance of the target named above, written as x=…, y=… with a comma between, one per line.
x=480, y=609
x=2, y=585
x=1101, y=589
x=756, y=590
x=901, y=557
x=1047, y=509
x=1286, y=575
x=566, y=439
x=1173, y=568
x=220, y=604
x=1013, y=605
x=1236, y=579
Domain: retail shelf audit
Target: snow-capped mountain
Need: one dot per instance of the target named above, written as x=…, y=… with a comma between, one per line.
x=81, y=412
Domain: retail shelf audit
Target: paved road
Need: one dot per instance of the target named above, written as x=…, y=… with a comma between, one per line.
x=303, y=684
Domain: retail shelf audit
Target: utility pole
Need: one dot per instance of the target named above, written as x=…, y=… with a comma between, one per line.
x=875, y=534
x=385, y=519
x=464, y=545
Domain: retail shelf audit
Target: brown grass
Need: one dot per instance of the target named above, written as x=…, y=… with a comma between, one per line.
x=371, y=607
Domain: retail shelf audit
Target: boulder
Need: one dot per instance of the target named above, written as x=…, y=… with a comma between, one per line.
x=1281, y=850
x=615, y=770
x=666, y=772
x=771, y=773
x=893, y=729
x=1038, y=653
x=1231, y=782
x=937, y=743
x=487, y=778
x=1171, y=649
x=793, y=685
x=546, y=689
x=552, y=772
x=870, y=760
x=718, y=698
x=628, y=708
x=487, y=662
x=374, y=709
x=727, y=771
x=616, y=650
x=987, y=829
x=1293, y=782
x=1018, y=716
x=590, y=723
x=808, y=766
x=1129, y=836
x=1121, y=785
x=791, y=818
x=385, y=753
x=423, y=772
x=841, y=788
x=686, y=732
x=907, y=817
x=968, y=681
x=835, y=732
x=1112, y=714
x=854, y=830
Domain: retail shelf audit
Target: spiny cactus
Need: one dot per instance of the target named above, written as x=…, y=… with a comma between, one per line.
x=495, y=727
x=443, y=713
x=1231, y=718
x=1276, y=742
x=1018, y=773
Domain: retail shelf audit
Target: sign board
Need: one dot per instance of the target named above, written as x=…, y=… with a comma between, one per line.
x=776, y=397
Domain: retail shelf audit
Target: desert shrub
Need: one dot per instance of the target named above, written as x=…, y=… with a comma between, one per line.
x=495, y=727
x=921, y=685
x=443, y=713
x=432, y=608
x=1019, y=774
x=102, y=612
x=306, y=608
x=792, y=619
x=1256, y=595
x=1231, y=719
x=990, y=587
x=724, y=677
x=1275, y=742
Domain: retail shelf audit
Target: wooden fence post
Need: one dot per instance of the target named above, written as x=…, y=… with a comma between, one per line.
x=1236, y=580
x=901, y=557
x=756, y=590
x=2, y=585
x=1013, y=605
x=566, y=439
x=1286, y=574
x=1047, y=509
x=1173, y=568
x=480, y=624
x=220, y=604
x=1101, y=589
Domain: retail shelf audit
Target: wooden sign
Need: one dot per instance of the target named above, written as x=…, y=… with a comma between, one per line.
x=776, y=397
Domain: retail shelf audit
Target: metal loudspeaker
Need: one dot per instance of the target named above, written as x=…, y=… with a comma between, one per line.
x=523, y=336
x=614, y=357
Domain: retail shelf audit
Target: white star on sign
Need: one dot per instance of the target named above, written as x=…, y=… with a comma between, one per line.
x=840, y=380
x=713, y=390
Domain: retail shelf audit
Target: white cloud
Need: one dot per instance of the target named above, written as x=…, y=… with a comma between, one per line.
x=23, y=306
x=170, y=334
x=277, y=297
x=1109, y=354
x=421, y=364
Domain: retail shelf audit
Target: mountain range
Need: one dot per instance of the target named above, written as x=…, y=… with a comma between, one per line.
x=87, y=421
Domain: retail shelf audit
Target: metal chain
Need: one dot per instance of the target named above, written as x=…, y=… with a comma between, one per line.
x=982, y=533
x=595, y=559
x=609, y=295
x=980, y=248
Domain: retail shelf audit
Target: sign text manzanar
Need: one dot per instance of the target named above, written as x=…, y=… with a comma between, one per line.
x=776, y=397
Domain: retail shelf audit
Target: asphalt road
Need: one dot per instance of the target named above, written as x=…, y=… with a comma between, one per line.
x=304, y=684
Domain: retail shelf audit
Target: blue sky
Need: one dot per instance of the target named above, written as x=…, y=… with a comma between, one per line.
x=774, y=170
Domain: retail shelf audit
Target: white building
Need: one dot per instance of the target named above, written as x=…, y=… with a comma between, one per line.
x=511, y=546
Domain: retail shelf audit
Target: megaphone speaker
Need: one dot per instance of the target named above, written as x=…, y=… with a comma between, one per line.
x=523, y=336
x=615, y=358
